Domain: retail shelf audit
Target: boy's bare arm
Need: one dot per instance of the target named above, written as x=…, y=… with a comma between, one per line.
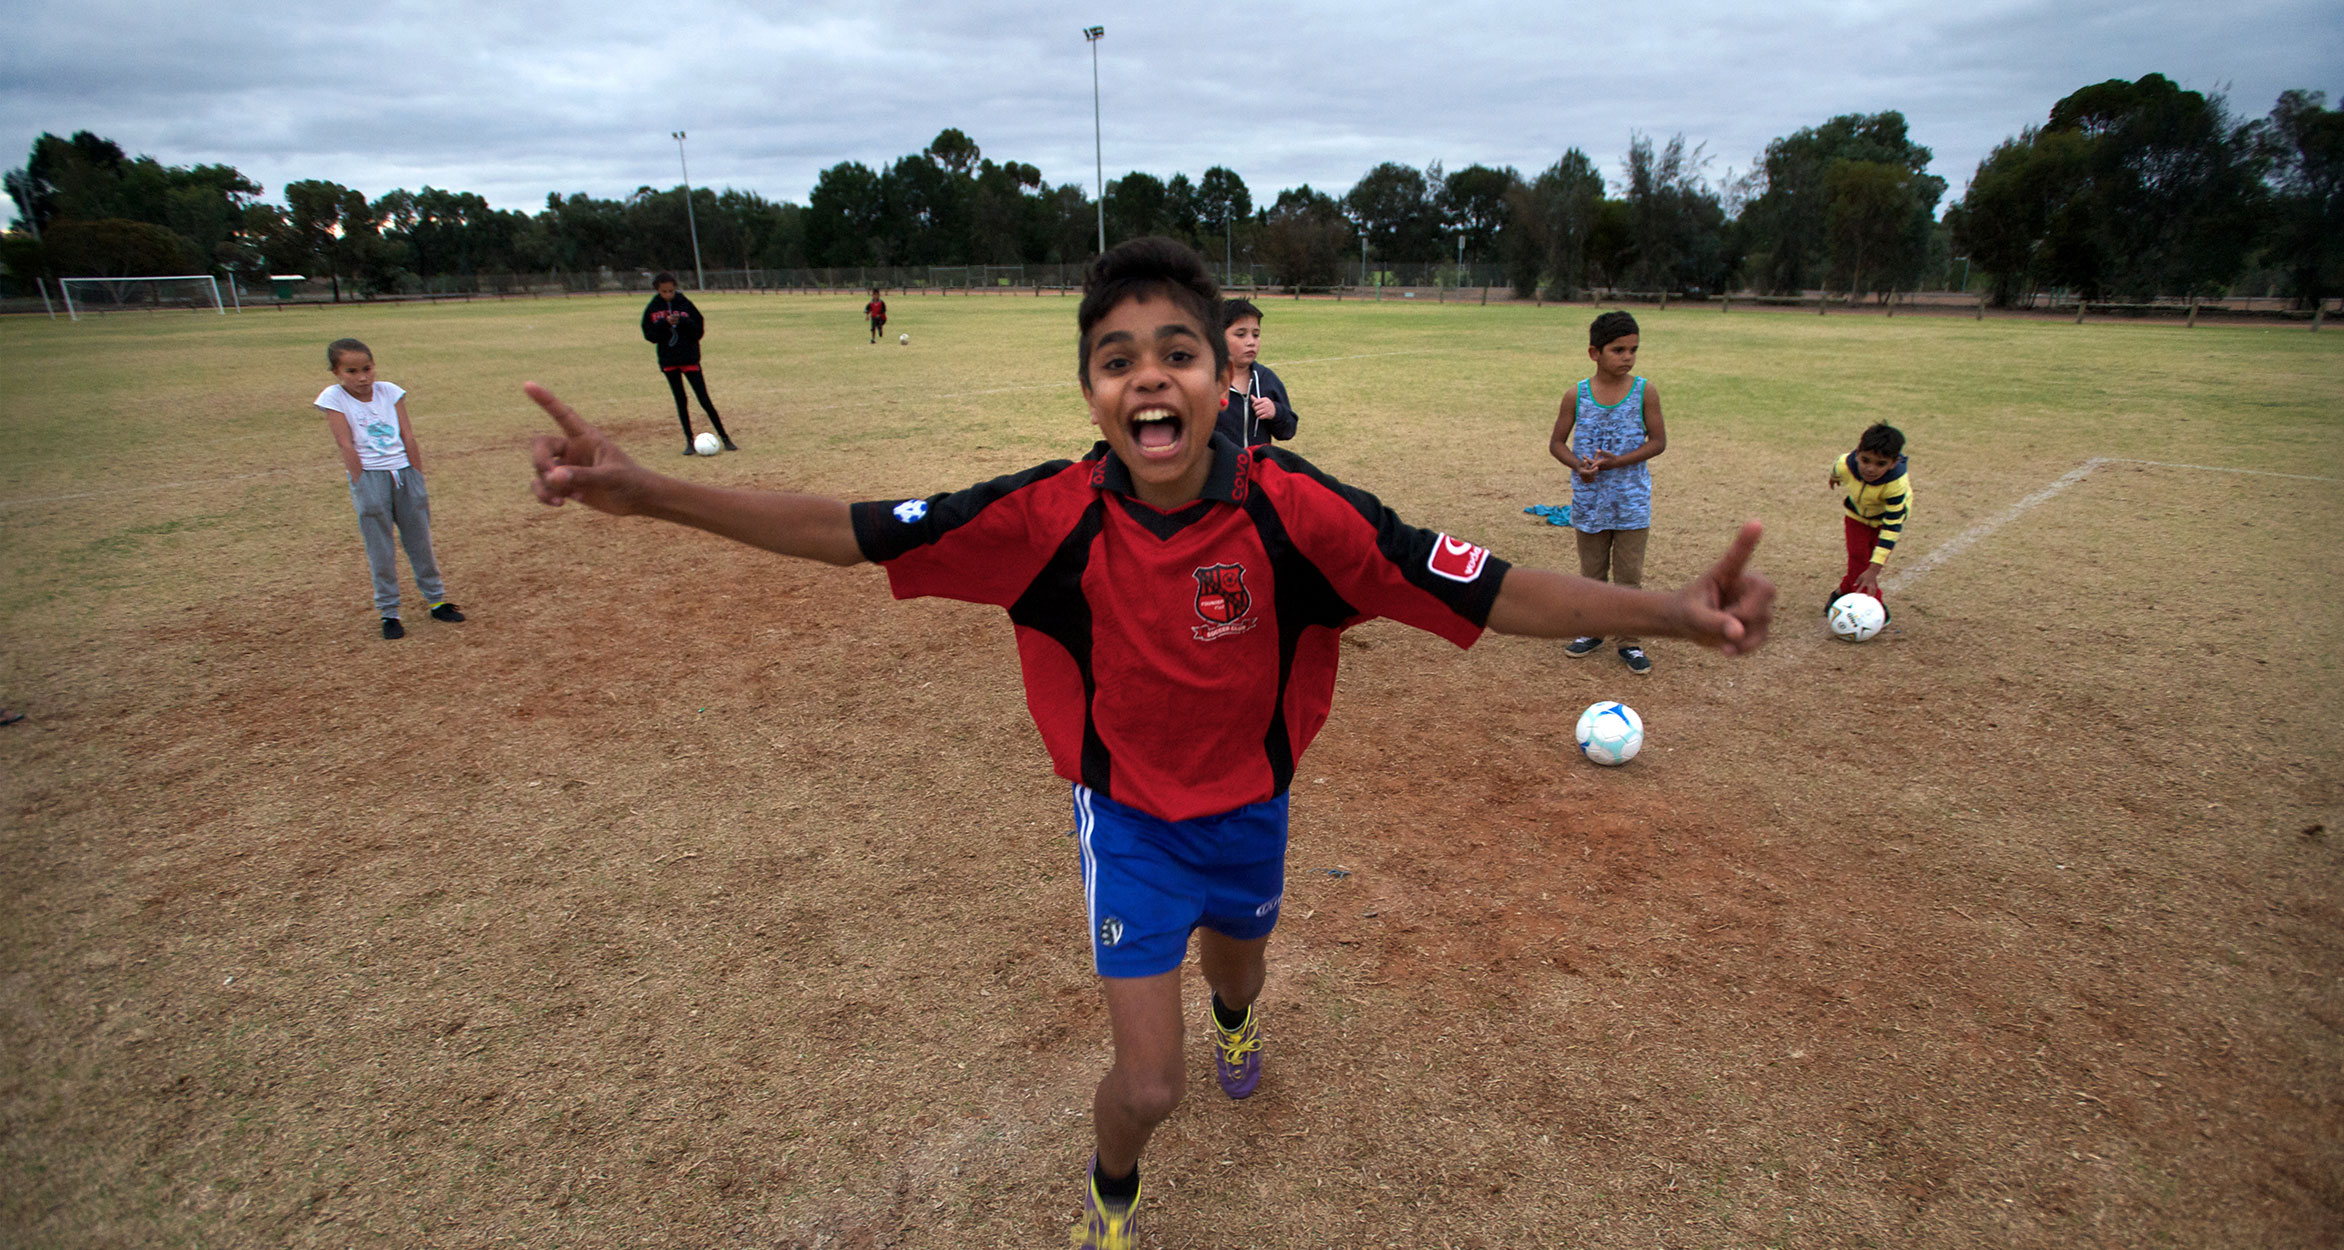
x=581, y=463
x=338, y=428
x=1655, y=432
x=1728, y=607
x=1558, y=444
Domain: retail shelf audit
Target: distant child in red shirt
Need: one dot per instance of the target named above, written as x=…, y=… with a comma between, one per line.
x=1178, y=602
x=876, y=310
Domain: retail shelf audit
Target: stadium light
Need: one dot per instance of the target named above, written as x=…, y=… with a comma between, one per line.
x=698, y=272
x=1092, y=35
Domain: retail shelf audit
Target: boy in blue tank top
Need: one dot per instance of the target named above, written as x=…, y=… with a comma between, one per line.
x=1605, y=432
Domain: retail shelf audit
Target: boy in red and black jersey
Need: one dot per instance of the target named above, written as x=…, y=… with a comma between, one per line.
x=1178, y=603
x=876, y=310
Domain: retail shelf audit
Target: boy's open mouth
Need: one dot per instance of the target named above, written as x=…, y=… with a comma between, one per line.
x=1157, y=432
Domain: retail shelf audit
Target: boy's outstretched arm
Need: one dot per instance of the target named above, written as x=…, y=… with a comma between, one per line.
x=1727, y=607
x=582, y=463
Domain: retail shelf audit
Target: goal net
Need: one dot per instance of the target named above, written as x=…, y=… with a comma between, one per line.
x=192, y=291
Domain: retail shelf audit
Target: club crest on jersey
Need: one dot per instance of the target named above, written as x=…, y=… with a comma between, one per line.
x=1456, y=559
x=1222, y=602
x=911, y=510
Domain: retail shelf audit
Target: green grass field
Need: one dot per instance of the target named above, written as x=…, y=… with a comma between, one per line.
x=687, y=896
x=132, y=436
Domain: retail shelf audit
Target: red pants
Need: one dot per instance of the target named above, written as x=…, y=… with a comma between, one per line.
x=1861, y=539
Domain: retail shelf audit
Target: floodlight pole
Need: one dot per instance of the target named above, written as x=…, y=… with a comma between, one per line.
x=1092, y=35
x=689, y=219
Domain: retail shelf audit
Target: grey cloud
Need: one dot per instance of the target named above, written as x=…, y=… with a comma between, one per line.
x=514, y=102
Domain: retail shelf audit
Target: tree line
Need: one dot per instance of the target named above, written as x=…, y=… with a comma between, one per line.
x=2128, y=189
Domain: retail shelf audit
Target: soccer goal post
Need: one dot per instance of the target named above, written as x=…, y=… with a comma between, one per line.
x=192, y=290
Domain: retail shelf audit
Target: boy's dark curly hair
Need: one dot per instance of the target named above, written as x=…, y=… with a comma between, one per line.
x=1882, y=439
x=1609, y=326
x=1141, y=268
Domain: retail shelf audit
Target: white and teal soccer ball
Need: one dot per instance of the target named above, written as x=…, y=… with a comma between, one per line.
x=1610, y=733
x=707, y=445
x=1856, y=617
x=905, y=339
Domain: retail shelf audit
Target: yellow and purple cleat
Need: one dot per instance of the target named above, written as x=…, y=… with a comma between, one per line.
x=1237, y=1055
x=1105, y=1223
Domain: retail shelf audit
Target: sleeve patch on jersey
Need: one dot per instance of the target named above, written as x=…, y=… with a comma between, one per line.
x=1456, y=559
x=911, y=510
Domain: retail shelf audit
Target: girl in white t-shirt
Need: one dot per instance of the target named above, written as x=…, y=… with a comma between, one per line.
x=368, y=421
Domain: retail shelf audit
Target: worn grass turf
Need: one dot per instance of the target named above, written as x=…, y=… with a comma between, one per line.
x=688, y=896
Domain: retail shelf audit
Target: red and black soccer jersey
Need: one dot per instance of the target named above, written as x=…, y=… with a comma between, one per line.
x=1180, y=662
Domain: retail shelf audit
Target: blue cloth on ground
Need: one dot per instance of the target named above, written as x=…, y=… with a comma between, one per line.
x=1551, y=513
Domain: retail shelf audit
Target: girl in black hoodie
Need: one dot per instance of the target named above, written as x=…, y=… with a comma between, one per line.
x=675, y=325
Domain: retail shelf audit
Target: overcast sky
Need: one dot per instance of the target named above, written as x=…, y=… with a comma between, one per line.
x=514, y=101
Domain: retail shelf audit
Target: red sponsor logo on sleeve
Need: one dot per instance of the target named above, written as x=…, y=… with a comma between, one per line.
x=1456, y=559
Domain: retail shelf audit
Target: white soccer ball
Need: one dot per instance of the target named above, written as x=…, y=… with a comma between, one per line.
x=1856, y=617
x=1610, y=733
x=707, y=445
x=905, y=339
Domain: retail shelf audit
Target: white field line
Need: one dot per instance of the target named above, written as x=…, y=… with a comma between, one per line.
x=1973, y=535
x=2210, y=468
x=855, y=403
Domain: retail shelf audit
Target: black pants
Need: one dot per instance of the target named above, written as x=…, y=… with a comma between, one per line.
x=878, y=327
x=675, y=382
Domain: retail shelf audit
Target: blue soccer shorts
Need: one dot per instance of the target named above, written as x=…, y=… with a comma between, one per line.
x=1150, y=882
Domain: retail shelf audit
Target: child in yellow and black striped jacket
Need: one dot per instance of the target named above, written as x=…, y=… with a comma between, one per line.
x=1879, y=501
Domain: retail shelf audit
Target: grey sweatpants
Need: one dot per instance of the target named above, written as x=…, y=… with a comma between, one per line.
x=388, y=497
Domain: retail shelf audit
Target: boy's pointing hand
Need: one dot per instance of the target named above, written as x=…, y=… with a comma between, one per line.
x=1729, y=607
x=580, y=463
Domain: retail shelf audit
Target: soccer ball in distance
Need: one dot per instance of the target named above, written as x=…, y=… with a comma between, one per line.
x=904, y=339
x=707, y=445
x=1610, y=733
x=1856, y=617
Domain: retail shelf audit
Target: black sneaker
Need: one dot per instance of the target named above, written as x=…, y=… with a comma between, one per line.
x=688, y=450
x=1581, y=648
x=446, y=612
x=730, y=445
x=392, y=628
x=1638, y=663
